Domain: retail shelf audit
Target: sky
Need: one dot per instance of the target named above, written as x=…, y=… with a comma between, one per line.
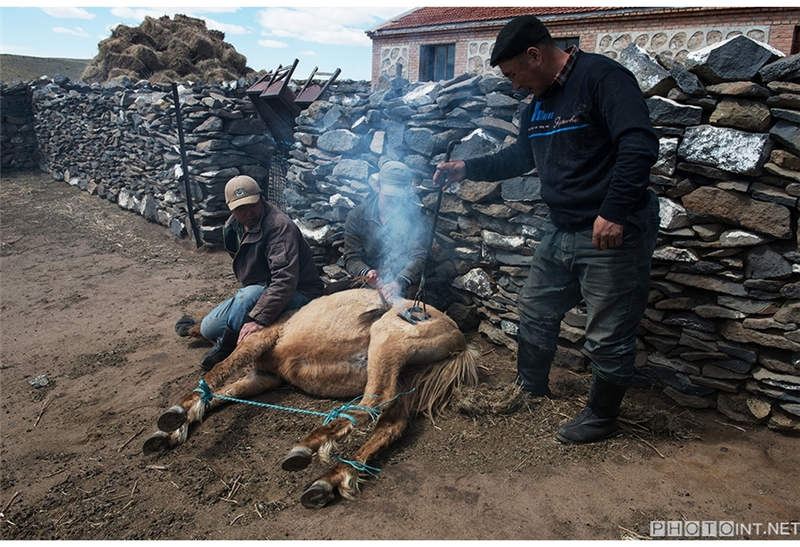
x=329, y=36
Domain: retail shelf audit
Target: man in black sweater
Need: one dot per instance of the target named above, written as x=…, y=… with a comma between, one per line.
x=588, y=133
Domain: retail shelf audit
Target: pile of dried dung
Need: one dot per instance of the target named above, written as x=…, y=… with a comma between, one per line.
x=483, y=399
x=166, y=50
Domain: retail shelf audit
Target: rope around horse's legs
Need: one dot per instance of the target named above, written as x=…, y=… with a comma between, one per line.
x=206, y=395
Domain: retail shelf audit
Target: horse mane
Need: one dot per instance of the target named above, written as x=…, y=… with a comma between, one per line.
x=434, y=384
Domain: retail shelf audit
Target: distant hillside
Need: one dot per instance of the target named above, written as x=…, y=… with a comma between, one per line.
x=29, y=68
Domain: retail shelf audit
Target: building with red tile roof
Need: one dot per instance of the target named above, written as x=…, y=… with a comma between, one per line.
x=437, y=43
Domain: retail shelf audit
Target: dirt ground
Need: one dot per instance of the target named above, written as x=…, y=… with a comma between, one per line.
x=89, y=297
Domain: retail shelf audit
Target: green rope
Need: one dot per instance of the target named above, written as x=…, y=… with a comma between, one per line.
x=206, y=395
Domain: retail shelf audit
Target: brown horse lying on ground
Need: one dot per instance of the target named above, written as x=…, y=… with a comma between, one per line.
x=342, y=345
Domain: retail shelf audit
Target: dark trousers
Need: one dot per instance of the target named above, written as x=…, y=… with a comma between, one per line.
x=614, y=283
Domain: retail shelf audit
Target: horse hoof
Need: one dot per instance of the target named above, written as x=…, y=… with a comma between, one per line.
x=172, y=419
x=183, y=325
x=158, y=442
x=317, y=495
x=299, y=458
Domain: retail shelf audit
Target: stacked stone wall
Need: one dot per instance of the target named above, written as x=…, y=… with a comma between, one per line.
x=17, y=138
x=722, y=328
x=120, y=142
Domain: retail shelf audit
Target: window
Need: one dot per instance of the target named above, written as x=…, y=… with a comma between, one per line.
x=795, y=41
x=436, y=62
x=566, y=43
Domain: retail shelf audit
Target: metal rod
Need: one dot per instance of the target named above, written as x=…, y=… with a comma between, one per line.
x=421, y=291
x=185, y=166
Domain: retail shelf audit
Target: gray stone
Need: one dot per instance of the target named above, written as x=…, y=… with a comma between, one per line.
x=735, y=331
x=736, y=208
x=786, y=69
x=667, y=158
x=739, y=238
x=668, y=112
x=508, y=243
x=787, y=134
x=727, y=149
x=686, y=81
x=40, y=381
x=737, y=58
x=376, y=144
x=707, y=283
x=212, y=124
x=339, y=141
x=420, y=140
x=653, y=79
x=521, y=189
x=767, y=323
x=246, y=126
x=717, y=312
x=476, y=281
x=496, y=124
x=731, y=386
x=679, y=303
x=791, y=290
x=677, y=365
x=497, y=336
x=478, y=143
x=422, y=95
x=771, y=392
x=674, y=254
x=689, y=320
x=500, y=100
x=792, y=116
x=786, y=423
x=765, y=263
x=672, y=215
x=686, y=385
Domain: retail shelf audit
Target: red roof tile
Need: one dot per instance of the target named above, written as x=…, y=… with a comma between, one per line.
x=441, y=15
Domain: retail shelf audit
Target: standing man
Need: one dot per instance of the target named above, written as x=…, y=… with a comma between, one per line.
x=588, y=132
x=271, y=260
x=384, y=237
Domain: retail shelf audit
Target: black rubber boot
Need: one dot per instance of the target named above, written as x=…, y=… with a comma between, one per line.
x=533, y=368
x=598, y=420
x=183, y=325
x=223, y=347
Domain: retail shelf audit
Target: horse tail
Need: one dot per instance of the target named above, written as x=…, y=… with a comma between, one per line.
x=434, y=385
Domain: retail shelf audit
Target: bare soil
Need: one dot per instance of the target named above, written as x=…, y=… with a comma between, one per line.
x=89, y=297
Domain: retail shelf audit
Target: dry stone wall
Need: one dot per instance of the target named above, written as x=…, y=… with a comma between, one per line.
x=120, y=142
x=722, y=328
x=17, y=138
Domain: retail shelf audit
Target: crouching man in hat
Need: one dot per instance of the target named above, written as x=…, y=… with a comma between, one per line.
x=271, y=260
x=587, y=130
x=385, y=236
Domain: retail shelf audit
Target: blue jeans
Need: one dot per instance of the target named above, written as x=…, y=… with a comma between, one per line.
x=231, y=313
x=614, y=283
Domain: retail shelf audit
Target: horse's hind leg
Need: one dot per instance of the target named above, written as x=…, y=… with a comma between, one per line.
x=344, y=478
x=384, y=364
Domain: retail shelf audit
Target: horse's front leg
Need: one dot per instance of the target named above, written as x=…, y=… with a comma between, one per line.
x=237, y=376
x=344, y=477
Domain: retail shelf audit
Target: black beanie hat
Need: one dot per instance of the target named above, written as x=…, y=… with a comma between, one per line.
x=518, y=35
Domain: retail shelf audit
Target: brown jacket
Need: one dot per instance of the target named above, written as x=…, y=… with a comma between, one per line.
x=274, y=255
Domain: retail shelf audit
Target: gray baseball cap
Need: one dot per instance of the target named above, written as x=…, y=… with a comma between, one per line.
x=395, y=179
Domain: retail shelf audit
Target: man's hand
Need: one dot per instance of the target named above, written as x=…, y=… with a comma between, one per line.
x=449, y=171
x=247, y=329
x=390, y=291
x=371, y=278
x=606, y=234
